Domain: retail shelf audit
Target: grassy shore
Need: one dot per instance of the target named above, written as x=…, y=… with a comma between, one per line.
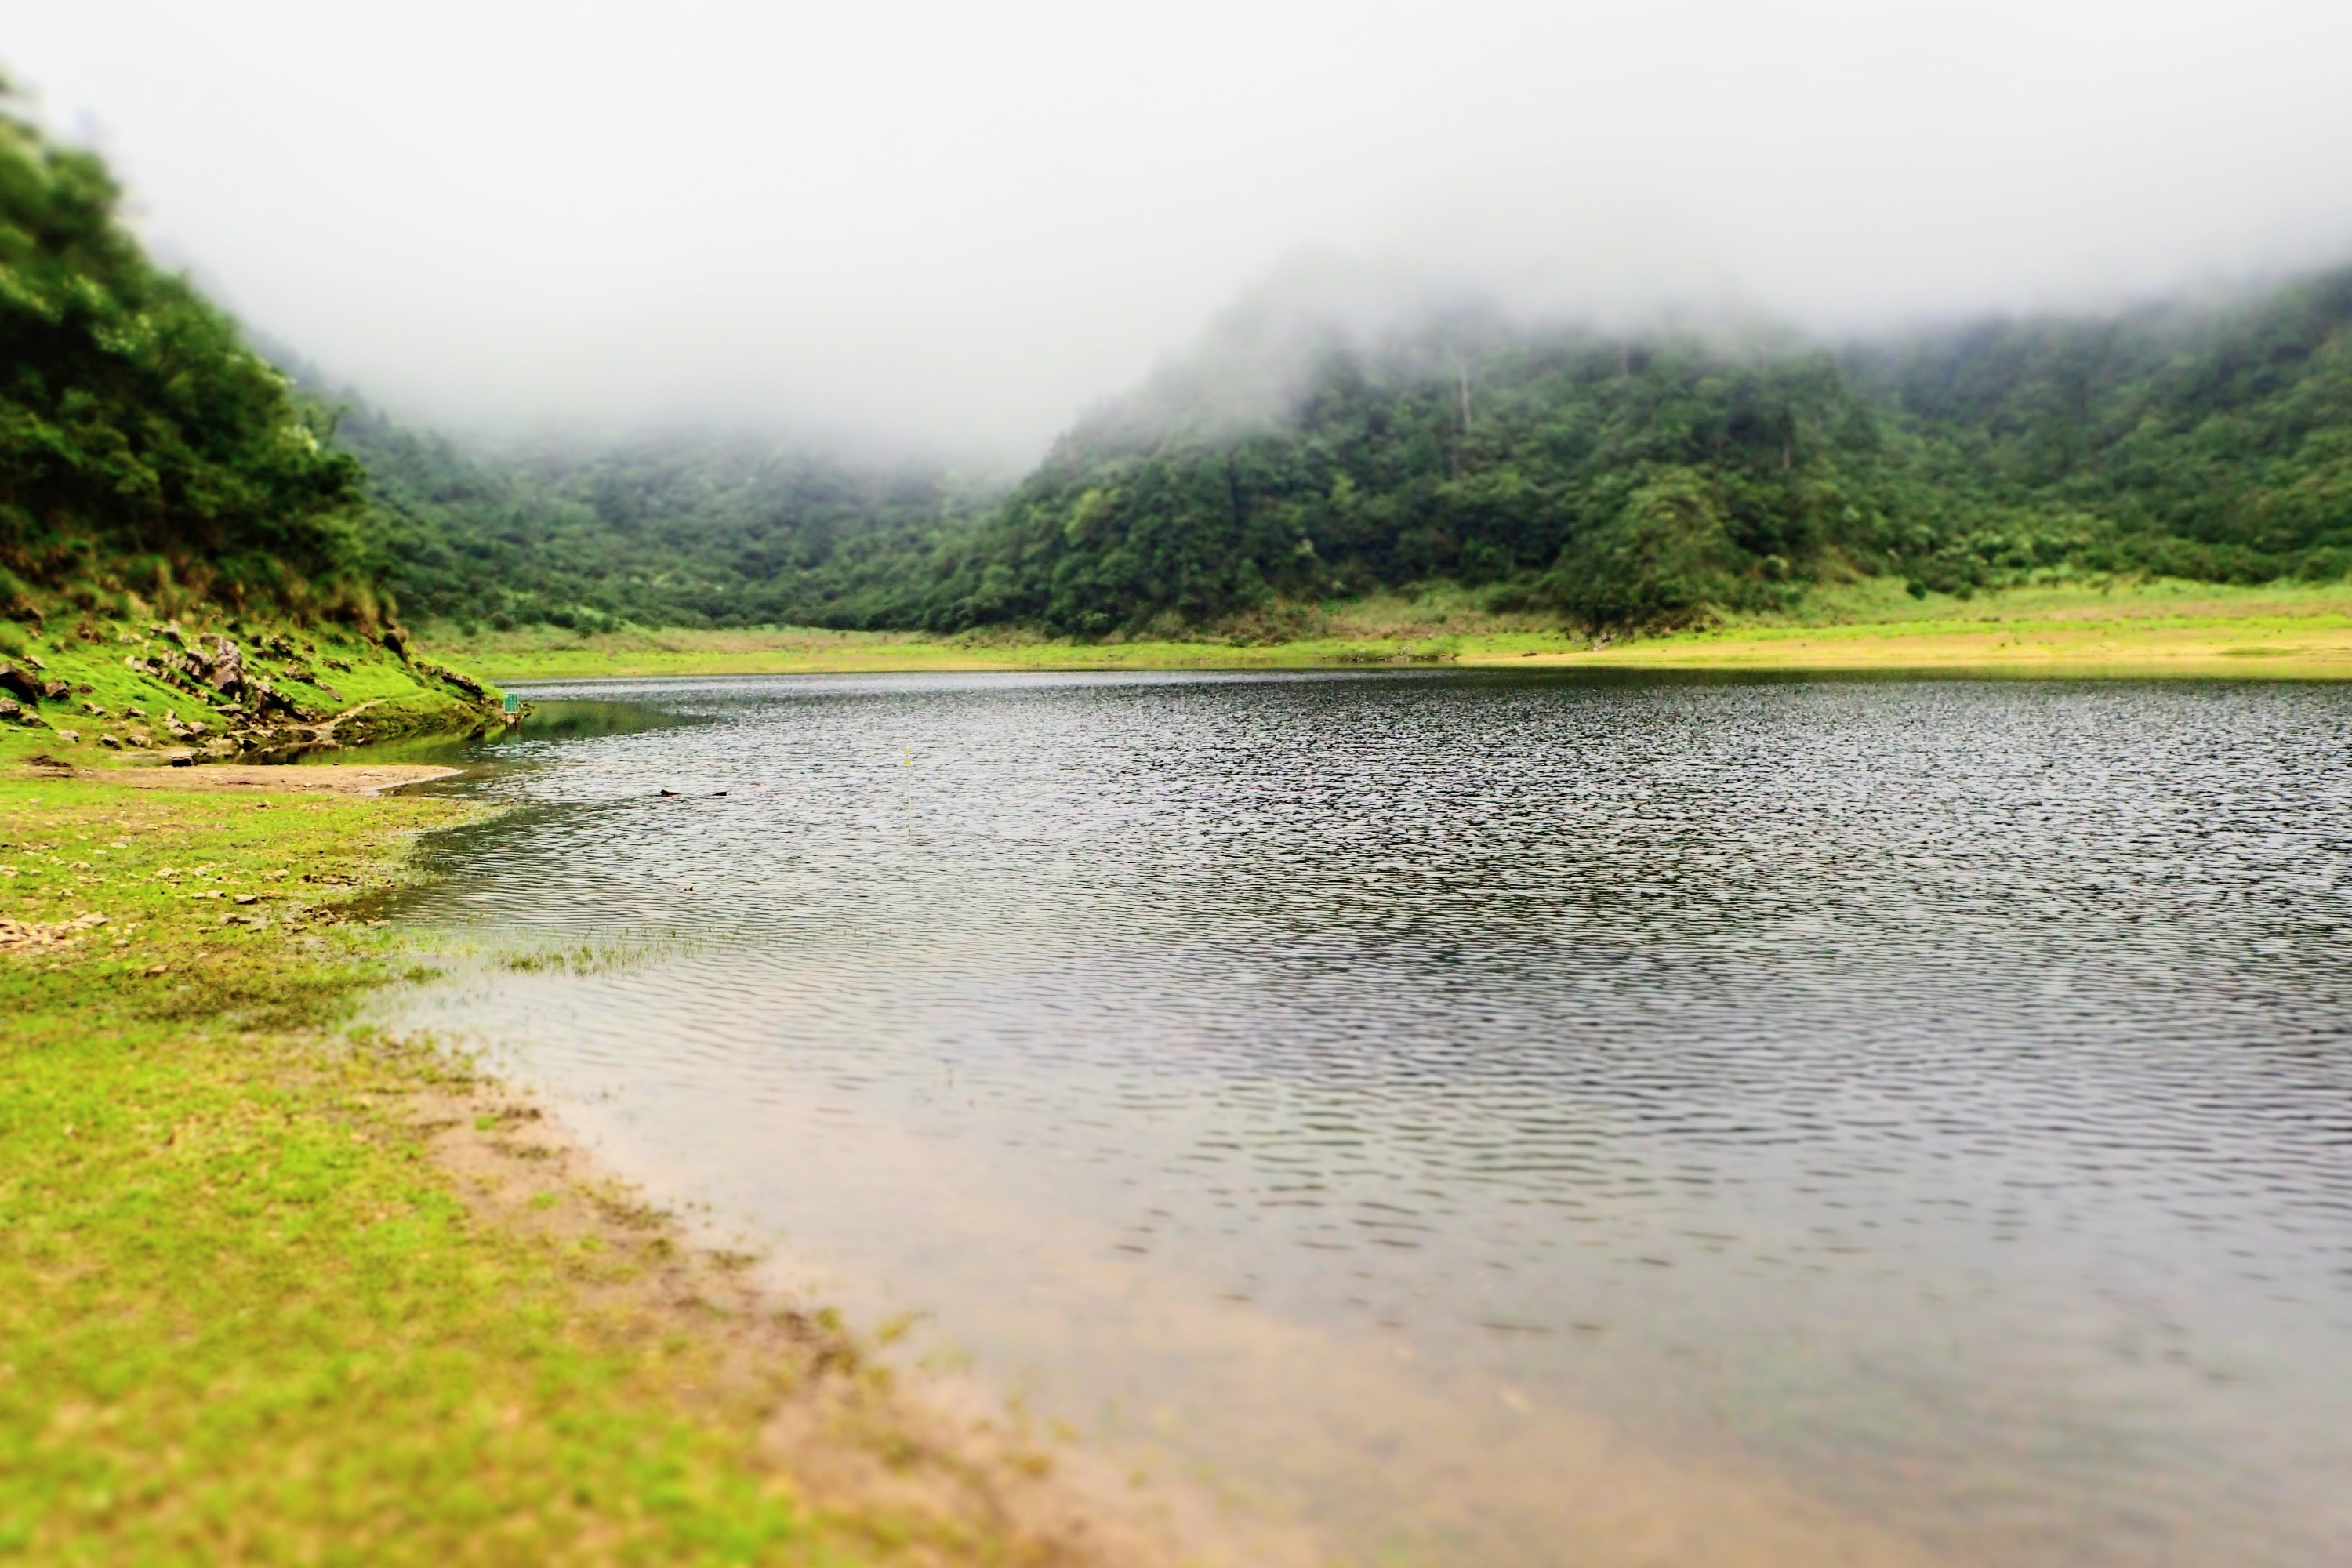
x=2145, y=629
x=270, y=1292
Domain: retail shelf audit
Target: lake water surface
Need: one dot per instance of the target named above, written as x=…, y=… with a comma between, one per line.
x=1499, y=1120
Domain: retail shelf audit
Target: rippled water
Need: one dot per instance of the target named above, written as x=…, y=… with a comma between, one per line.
x=1492, y=1120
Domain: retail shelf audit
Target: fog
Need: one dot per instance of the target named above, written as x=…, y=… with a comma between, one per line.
x=954, y=226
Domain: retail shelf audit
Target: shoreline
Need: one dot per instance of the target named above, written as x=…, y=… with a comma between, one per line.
x=503, y=1324
x=2159, y=631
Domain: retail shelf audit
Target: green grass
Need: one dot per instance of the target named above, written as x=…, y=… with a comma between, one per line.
x=244, y=1315
x=88, y=651
x=2143, y=627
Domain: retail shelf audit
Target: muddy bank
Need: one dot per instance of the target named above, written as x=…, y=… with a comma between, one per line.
x=961, y=1478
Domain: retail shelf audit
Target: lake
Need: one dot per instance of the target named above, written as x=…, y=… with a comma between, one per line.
x=1497, y=1120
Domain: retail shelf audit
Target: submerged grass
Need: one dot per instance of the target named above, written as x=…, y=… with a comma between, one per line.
x=244, y=1316
x=2066, y=627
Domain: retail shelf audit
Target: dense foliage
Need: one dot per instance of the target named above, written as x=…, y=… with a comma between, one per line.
x=685, y=532
x=142, y=447
x=2204, y=444
x=1612, y=482
x=1617, y=482
x=1657, y=481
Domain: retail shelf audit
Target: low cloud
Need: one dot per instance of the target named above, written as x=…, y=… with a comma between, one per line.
x=954, y=227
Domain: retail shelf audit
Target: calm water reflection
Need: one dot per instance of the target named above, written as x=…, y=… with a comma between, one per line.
x=1504, y=1120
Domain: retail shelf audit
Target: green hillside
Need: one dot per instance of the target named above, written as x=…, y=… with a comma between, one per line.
x=142, y=447
x=683, y=530
x=185, y=561
x=1659, y=480
x=1602, y=482
x=2213, y=444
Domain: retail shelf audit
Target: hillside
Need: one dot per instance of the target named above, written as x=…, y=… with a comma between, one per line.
x=2212, y=444
x=1664, y=479
x=681, y=531
x=184, y=561
x=1605, y=483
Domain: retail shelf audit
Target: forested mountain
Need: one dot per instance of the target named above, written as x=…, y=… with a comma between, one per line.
x=2210, y=444
x=1612, y=481
x=143, y=449
x=685, y=530
x=1657, y=479
x=1616, y=481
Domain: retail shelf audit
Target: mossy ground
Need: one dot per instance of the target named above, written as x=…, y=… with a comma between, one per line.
x=88, y=652
x=2161, y=627
x=245, y=1316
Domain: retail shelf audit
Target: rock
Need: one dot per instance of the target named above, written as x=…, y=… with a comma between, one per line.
x=110, y=740
x=10, y=708
x=224, y=665
x=72, y=737
x=22, y=683
x=465, y=683
x=55, y=691
x=33, y=933
x=668, y=792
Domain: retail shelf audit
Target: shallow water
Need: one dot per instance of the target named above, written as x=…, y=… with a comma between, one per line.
x=1505, y=1120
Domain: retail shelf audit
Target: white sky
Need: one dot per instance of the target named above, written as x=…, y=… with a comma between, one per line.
x=956, y=225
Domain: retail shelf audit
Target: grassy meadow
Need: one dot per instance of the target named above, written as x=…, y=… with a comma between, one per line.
x=2139, y=628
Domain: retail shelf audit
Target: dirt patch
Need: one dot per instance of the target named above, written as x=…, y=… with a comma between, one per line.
x=315, y=778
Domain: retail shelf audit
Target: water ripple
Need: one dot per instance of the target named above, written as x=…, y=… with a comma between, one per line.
x=1937, y=1091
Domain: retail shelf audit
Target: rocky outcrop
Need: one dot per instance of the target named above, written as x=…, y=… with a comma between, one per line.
x=465, y=683
x=215, y=669
x=29, y=687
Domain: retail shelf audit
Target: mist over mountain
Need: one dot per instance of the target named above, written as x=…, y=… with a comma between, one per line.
x=952, y=228
x=1316, y=445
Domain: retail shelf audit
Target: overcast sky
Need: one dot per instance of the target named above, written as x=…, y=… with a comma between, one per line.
x=958, y=224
